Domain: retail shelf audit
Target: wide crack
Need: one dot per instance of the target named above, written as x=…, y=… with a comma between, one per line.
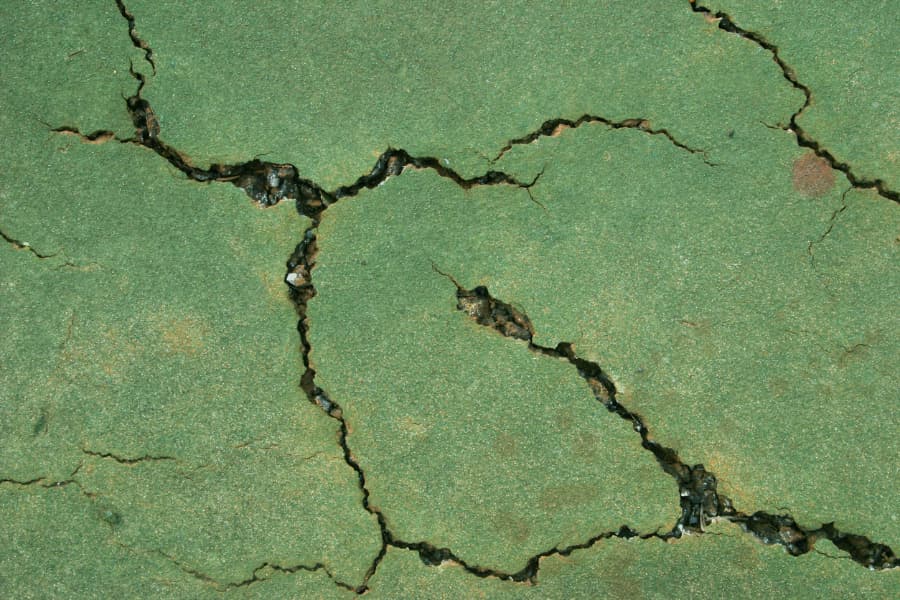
x=804, y=139
x=701, y=503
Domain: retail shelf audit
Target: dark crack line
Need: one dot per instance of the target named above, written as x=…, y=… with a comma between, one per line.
x=20, y=245
x=804, y=139
x=700, y=501
x=255, y=576
x=831, y=224
x=127, y=461
x=50, y=484
x=268, y=183
x=133, y=34
x=553, y=127
x=697, y=488
x=433, y=556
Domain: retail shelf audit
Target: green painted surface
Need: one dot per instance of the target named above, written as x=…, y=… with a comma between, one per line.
x=153, y=439
x=724, y=563
x=491, y=450
x=847, y=55
x=329, y=86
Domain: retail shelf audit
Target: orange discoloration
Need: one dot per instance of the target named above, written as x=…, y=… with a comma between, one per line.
x=812, y=175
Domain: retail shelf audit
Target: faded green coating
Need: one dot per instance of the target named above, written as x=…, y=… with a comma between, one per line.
x=846, y=54
x=329, y=86
x=154, y=441
x=467, y=439
x=724, y=563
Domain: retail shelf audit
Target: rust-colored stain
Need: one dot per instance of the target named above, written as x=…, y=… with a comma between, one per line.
x=812, y=175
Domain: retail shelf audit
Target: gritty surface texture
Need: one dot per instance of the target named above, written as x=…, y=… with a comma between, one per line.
x=556, y=314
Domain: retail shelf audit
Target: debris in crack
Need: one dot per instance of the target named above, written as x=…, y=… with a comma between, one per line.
x=553, y=127
x=269, y=183
x=700, y=501
x=783, y=530
x=804, y=139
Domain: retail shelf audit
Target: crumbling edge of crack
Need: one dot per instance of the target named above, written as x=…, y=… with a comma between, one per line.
x=269, y=183
x=701, y=503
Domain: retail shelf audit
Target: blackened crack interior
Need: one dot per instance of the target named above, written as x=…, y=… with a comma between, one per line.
x=804, y=138
x=700, y=501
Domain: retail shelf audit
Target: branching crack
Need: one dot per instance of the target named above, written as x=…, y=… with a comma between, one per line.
x=700, y=501
x=553, y=127
x=268, y=183
x=804, y=139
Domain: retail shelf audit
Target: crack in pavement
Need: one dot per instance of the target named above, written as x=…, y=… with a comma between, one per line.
x=554, y=127
x=700, y=501
x=272, y=567
x=268, y=183
x=44, y=483
x=255, y=575
x=20, y=245
x=831, y=224
x=126, y=461
x=133, y=34
x=804, y=139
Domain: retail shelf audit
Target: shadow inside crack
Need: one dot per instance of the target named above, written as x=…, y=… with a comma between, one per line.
x=701, y=503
